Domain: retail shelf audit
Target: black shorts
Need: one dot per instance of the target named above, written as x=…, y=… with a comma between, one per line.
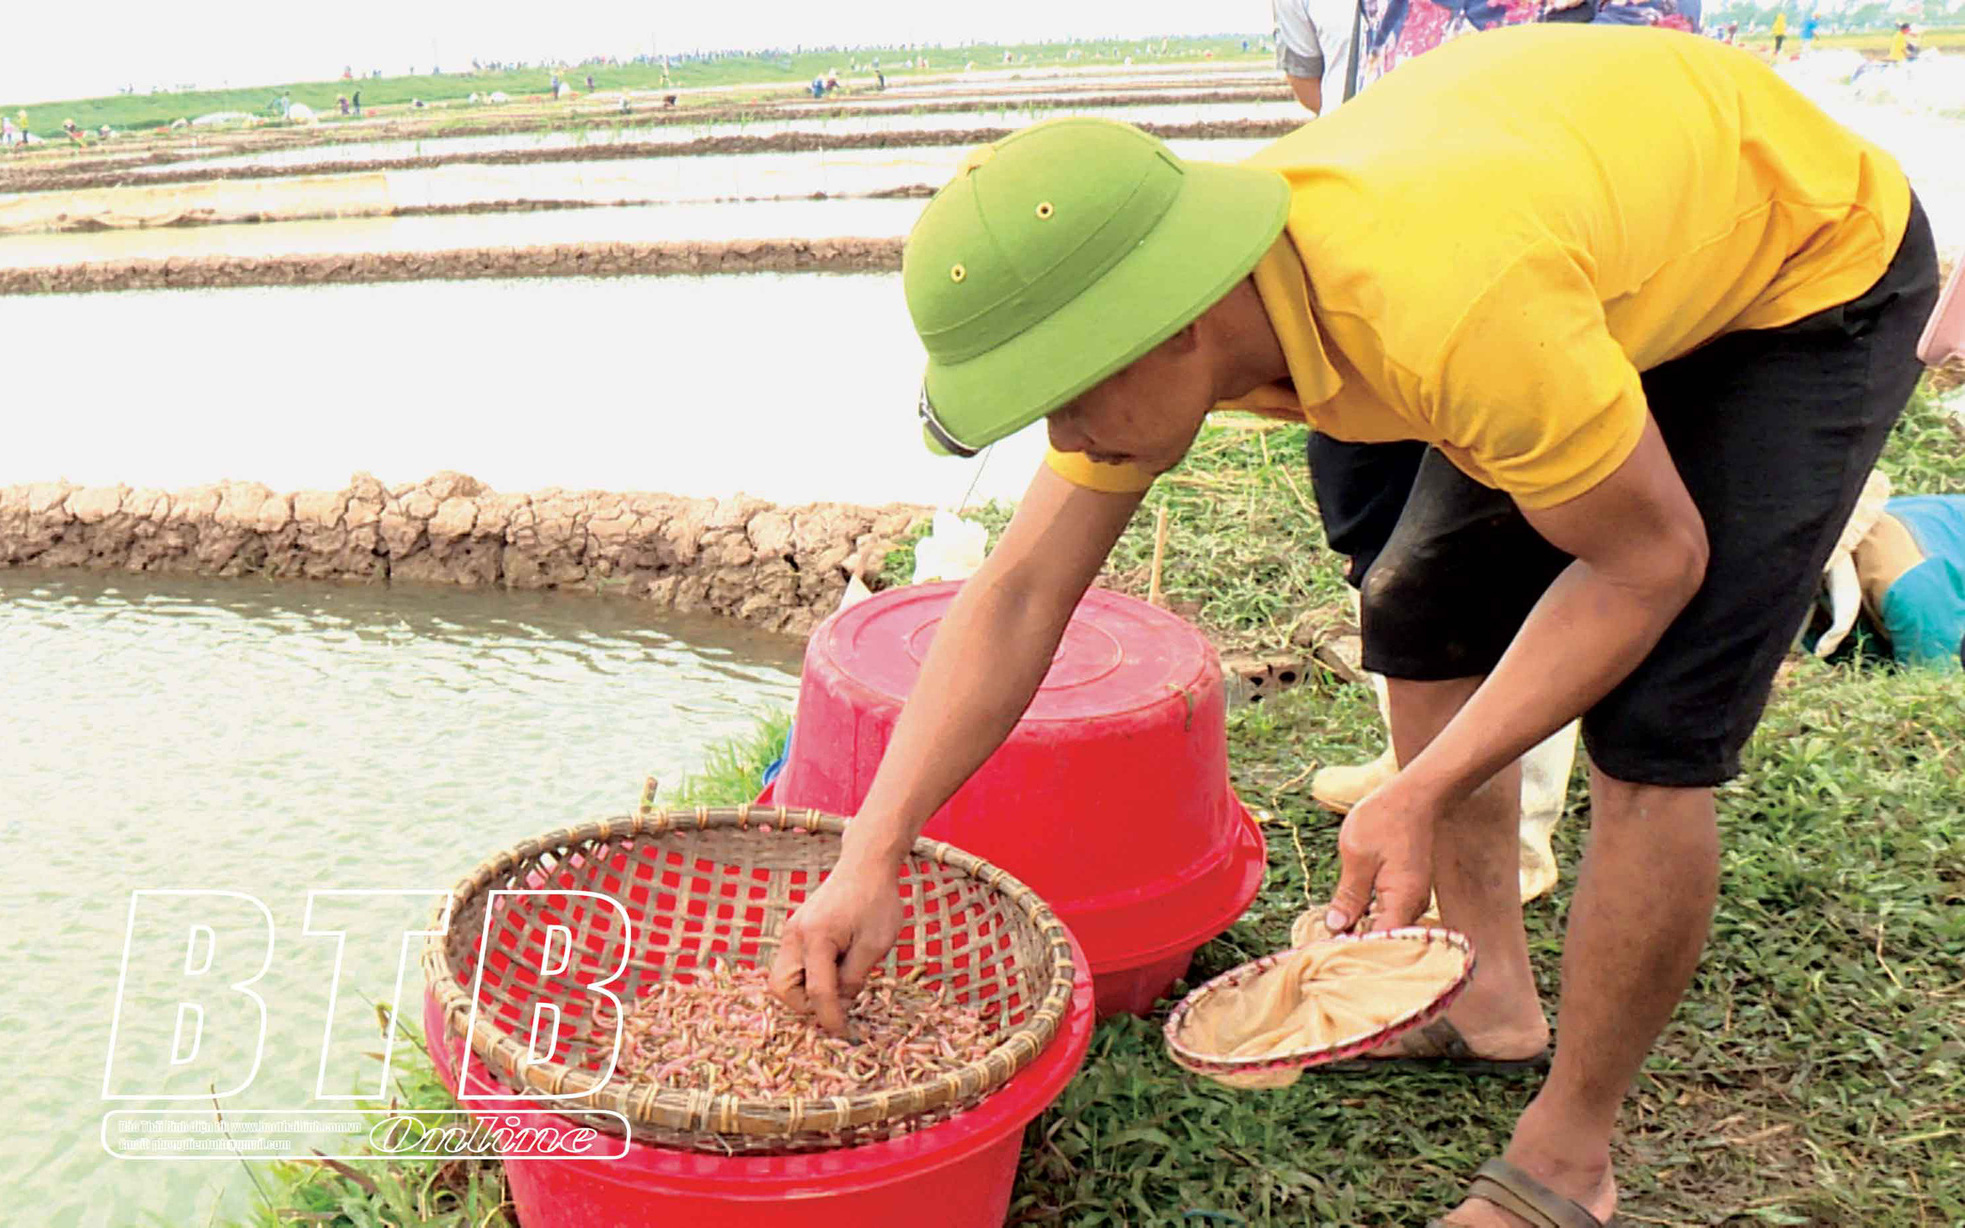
x=1361, y=489
x=1773, y=432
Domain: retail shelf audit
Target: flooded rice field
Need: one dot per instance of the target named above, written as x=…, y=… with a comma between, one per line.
x=614, y=384
x=717, y=177
x=795, y=218
x=896, y=122
x=275, y=739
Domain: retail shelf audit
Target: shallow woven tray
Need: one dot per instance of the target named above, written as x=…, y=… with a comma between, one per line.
x=1350, y=1046
x=720, y=883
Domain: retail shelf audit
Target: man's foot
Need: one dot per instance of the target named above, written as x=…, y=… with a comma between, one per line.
x=1493, y=1023
x=1588, y=1185
x=1497, y=1040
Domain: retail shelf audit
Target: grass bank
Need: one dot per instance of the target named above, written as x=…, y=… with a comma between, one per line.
x=763, y=72
x=1813, y=1075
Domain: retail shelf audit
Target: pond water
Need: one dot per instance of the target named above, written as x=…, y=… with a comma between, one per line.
x=789, y=387
x=277, y=739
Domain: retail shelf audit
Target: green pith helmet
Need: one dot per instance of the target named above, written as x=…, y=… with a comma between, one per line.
x=1061, y=254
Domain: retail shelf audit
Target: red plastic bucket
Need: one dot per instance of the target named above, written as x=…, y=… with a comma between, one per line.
x=1110, y=798
x=956, y=1174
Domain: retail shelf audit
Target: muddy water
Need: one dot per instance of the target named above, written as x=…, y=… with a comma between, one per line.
x=688, y=189
x=792, y=388
x=899, y=121
x=639, y=224
x=274, y=740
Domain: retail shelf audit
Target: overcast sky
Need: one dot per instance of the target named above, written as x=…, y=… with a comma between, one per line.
x=112, y=43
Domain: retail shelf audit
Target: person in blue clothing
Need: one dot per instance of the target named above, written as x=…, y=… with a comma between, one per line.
x=1911, y=565
x=1808, y=25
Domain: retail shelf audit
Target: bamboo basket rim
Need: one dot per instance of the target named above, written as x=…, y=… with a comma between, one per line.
x=1348, y=1047
x=664, y=1108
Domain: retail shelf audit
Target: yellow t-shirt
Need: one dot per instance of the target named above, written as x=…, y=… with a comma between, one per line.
x=1780, y=23
x=1484, y=249
x=1899, y=46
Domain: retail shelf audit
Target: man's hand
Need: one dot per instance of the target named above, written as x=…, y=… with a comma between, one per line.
x=833, y=941
x=1386, y=846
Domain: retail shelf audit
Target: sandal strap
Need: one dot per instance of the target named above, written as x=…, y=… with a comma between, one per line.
x=1511, y=1189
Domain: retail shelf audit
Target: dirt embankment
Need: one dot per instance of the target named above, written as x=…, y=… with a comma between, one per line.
x=844, y=255
x=174, y=148
x=781, y=142
x=912, y=191
x=780, y=568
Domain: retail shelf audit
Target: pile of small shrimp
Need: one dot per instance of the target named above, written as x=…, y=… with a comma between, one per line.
x=724, y=1033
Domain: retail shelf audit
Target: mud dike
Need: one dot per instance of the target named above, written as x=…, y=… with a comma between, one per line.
x=557, y=260
x=782, y=142
x=779, y=568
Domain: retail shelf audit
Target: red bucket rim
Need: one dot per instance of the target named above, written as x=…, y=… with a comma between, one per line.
x=1003, y=1114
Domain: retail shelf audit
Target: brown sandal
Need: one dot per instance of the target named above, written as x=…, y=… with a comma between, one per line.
x=1439, y=1046
x=1513, y=1190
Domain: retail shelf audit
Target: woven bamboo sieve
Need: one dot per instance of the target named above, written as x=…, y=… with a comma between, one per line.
x=720, y=883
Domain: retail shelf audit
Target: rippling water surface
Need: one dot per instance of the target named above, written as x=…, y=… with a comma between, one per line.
x=272, y=740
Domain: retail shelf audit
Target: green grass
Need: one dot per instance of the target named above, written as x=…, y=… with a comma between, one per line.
x=384, y=1192
x=733, y=770
x=1813, y=1076
x=141, y=111
x=1245, y=555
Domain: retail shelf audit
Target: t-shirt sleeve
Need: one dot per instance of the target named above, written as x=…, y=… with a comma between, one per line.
x=1532, y=390
x=1076, y=469
x=1298, y=51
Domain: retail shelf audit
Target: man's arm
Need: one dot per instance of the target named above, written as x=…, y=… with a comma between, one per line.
x=988, y=658
x=1640, y=550
x=1640, y=554
x=1299, y=53
x=1309, y=91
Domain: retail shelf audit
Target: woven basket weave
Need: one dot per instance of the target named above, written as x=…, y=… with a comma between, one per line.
x=720, y=883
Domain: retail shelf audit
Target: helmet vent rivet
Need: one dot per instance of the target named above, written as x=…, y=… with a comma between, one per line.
x=957, y=273
x=1044, y=210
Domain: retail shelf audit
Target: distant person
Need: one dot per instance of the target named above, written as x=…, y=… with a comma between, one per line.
x=818, y=87
x=1313, y=49
x=341, y=100
x=668, y=100
x=556, y=87
x=879, y=80
x=8, y=133
x=1808, y=25
x=1901, y=48
x=590, y=83
x=358, y=104
x=1780, y=31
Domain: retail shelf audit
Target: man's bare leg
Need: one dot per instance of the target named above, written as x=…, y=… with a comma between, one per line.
x=1644, y=901
x=1477, y=877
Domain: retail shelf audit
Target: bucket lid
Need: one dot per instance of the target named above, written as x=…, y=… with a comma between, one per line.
x=1263, y=1024
x=1118, y=653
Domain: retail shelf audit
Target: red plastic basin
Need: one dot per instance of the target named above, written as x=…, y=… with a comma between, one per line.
x=1110, y=798
x=957, y=1174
